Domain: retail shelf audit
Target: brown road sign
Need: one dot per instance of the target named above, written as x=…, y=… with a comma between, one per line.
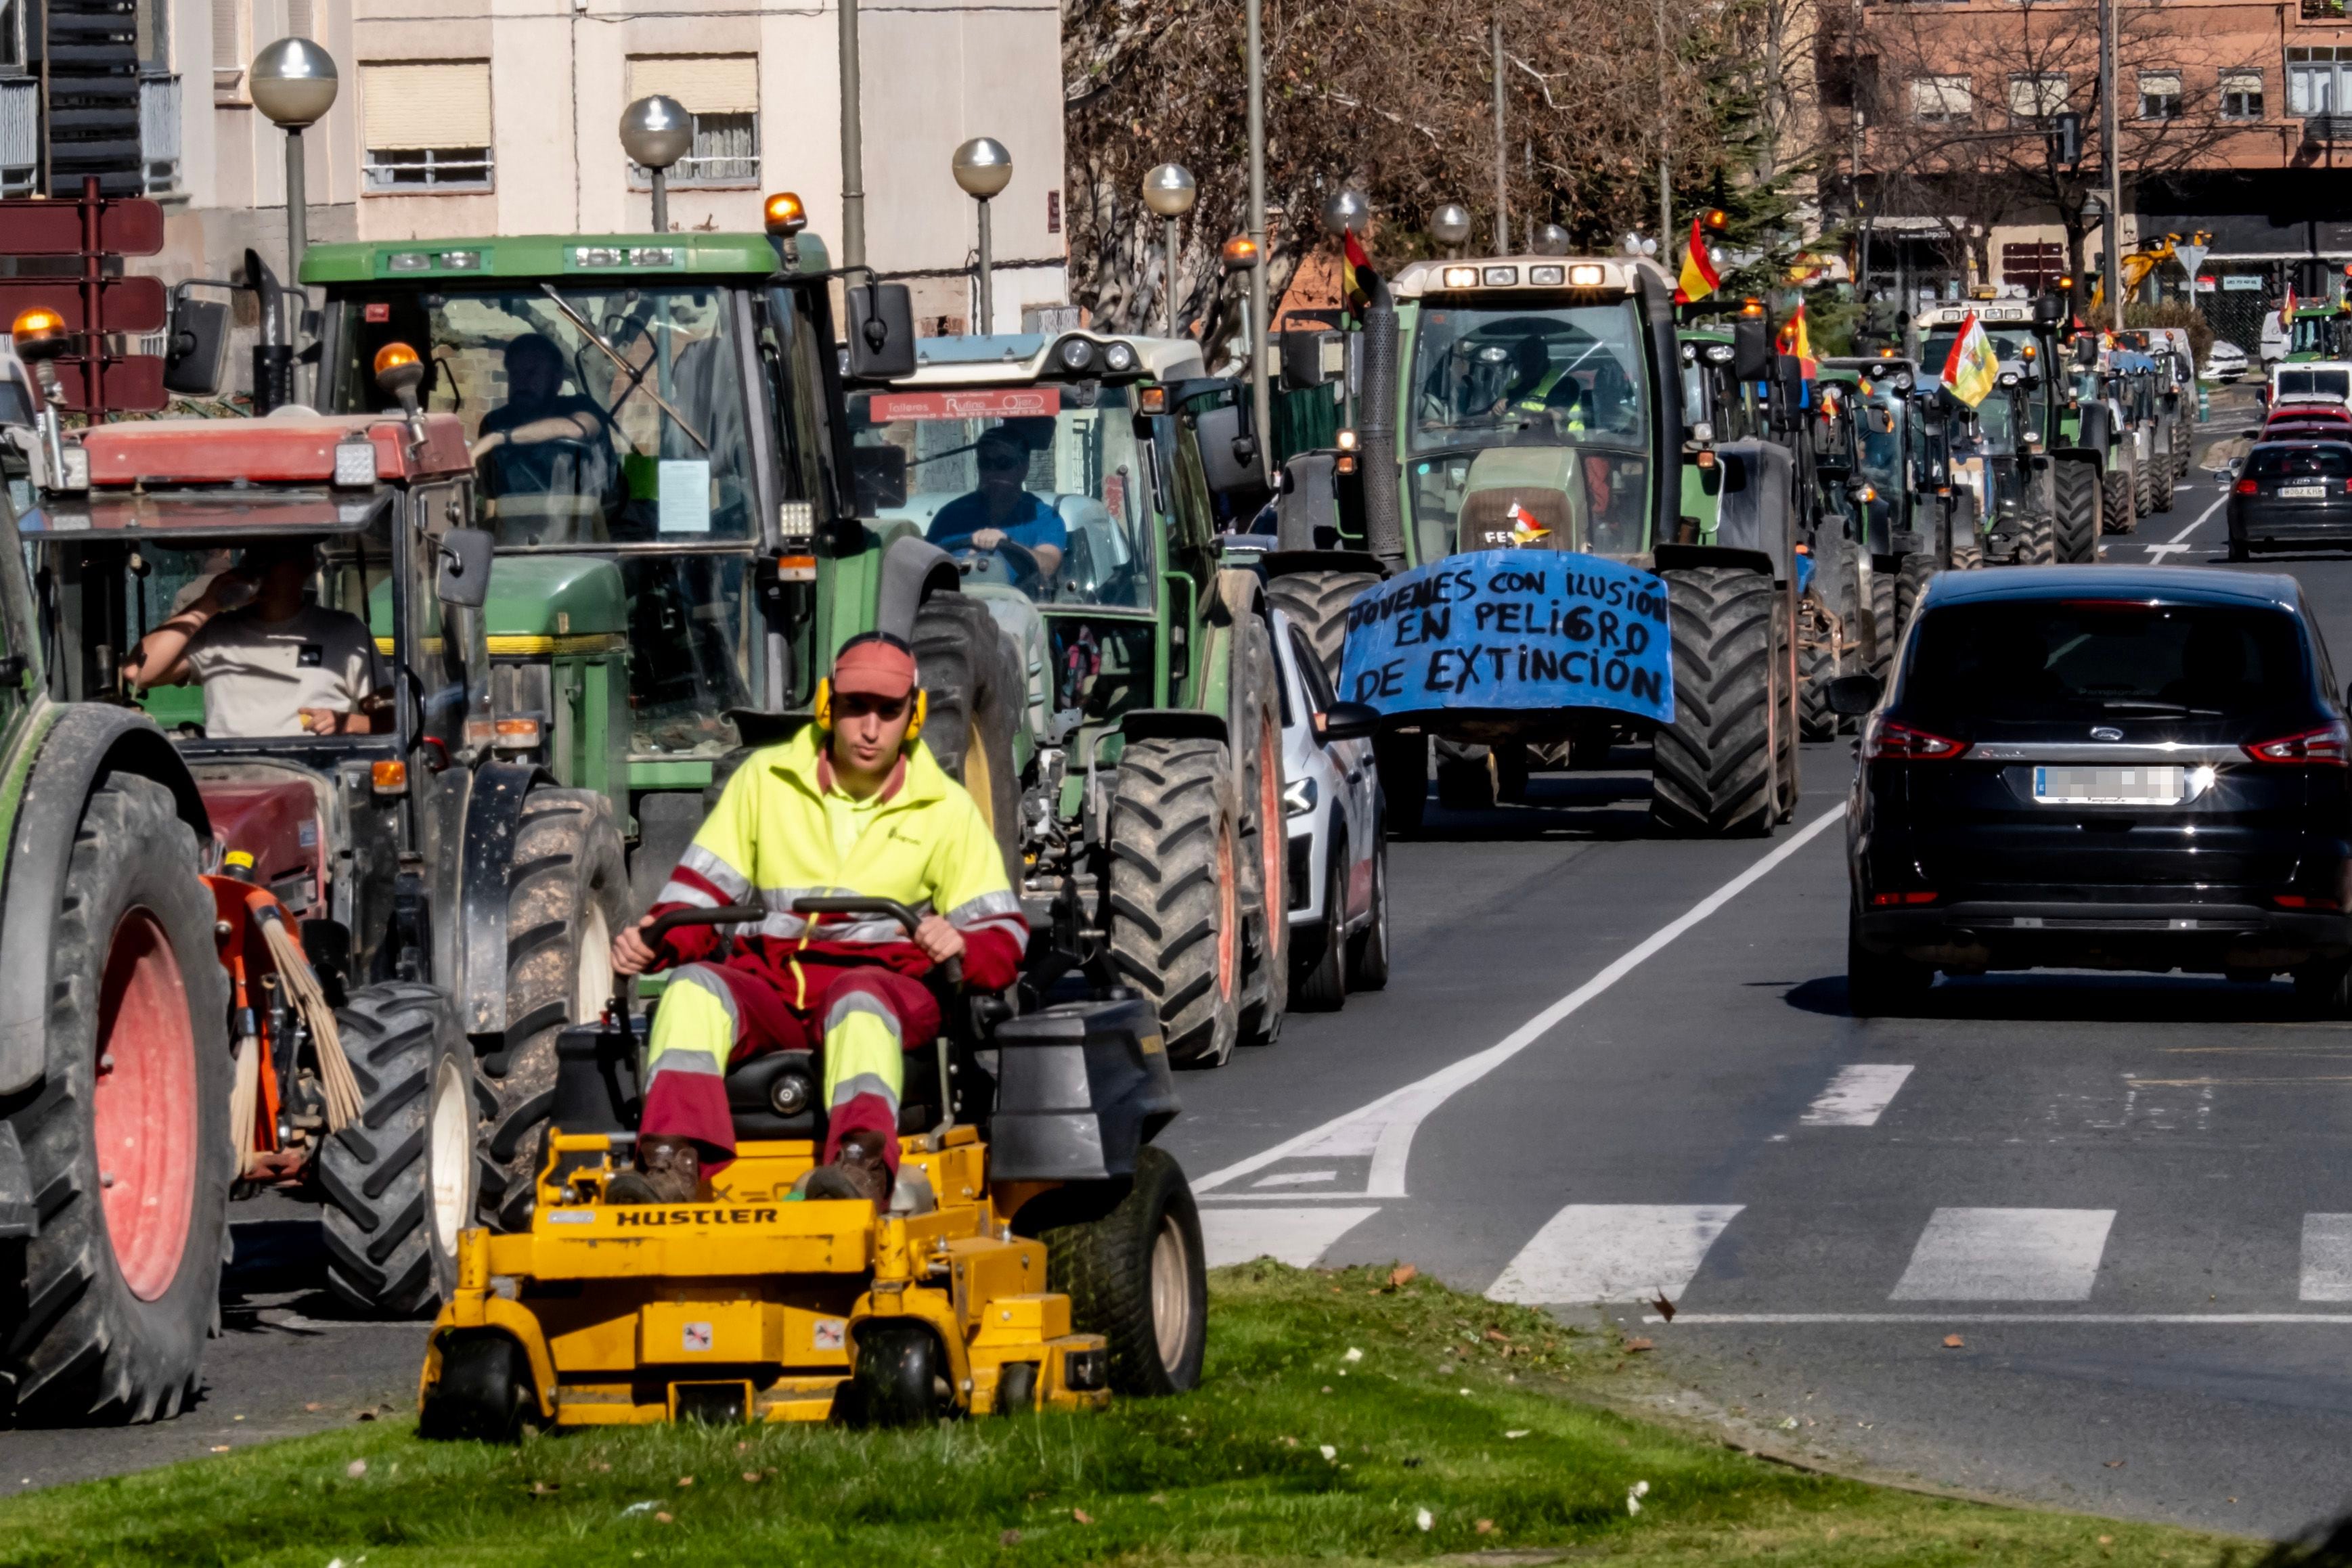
x=132, y=382
x=126, y=304
x=28, y=226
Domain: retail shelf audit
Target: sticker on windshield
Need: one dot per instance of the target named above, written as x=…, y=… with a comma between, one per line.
x=885, y=408
x=685, y=496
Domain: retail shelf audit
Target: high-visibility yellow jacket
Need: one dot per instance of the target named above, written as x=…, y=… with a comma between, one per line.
x=769, y=841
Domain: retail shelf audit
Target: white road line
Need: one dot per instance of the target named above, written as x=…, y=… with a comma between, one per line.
x=1297, y=1237
x=1701, y=1320
x=1384, y=1129
x=1856, y=1097
x=2328, y=1257
x=1612, y=1253
x=2006, y=1255
x=1296, y=1178
x=2176, y=541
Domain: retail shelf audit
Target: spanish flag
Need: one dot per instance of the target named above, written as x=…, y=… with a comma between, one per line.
x=2286, y=311
x=1356, y=272
x=1794, y=338
x=1972, y=367
x=1699, y=278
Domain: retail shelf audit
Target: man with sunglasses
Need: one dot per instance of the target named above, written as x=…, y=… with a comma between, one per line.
x=851, y=804
x=1002, y=510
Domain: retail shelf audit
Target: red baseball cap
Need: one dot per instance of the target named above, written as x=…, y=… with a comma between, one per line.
x=873, y=664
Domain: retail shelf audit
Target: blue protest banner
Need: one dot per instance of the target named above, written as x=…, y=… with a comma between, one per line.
x=1512, y=629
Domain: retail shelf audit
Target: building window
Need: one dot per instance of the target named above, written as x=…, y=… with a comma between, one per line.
x=2159, y=94
x=722, y=92
x=1941, y=99
x=2314, y=80
x=2032, y=99
x=12, y=37
x=426, y=125
x=2242, y=95
x=2323, y=10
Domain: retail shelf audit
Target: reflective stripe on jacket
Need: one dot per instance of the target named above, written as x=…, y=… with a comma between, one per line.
x=768, y=843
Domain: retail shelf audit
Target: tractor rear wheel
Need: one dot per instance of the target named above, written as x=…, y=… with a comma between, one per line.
x=1254, y=720
x=975, y=699
x=2075, y=490
x=2161, y=482
x=1910, y=583
x=1817, y=666
x=1175, y=891
x=1713, y=768
x=1317, y=603
x=484, y=1392
x=1882, y=622
x=567, y=893
x=397, y=1184
x=2117, y=513
x=125, y=1134
x=1784, y=707
x=2037, y=545
x=1138, y=1276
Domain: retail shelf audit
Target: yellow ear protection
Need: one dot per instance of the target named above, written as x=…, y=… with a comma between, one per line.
x=821, y=709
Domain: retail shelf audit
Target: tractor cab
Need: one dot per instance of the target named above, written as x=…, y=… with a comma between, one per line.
x=1890, y=438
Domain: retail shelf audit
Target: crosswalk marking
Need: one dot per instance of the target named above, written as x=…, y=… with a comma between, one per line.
x=2328, y=1257
x=1298, y=1236
x=1856, y=1097
x=1613, y=1252
x=2006, y=1255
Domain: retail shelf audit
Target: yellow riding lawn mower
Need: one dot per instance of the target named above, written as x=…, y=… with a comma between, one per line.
x=1037, y=1251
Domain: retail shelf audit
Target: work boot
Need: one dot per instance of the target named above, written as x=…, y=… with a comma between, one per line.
x=856, y=1172
x=669, y=1170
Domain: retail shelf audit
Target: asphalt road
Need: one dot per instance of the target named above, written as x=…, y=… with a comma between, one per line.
x=1609, y=1066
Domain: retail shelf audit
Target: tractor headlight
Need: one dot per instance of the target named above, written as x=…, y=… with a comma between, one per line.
x=1298, y=797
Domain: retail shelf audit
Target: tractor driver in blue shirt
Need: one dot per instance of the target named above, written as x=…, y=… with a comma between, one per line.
x=1001, y=511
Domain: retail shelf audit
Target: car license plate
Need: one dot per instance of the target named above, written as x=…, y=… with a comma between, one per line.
x=2110, y=786
x=2302, y=492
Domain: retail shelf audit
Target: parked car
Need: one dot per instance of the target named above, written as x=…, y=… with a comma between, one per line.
x=1339, y=849
x=2225, y=362
x=2136, y=768
x=2292, y=493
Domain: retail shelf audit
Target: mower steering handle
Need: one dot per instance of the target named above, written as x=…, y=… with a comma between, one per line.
x=859, y=904
x=725, y=915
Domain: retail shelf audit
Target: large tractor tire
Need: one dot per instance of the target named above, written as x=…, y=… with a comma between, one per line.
x=1784, y=705
x=125, y=1136
x=1712, y=768
x=2144, y=487
x=1883, y=623
x=1177, y=916
x=1317, y=603
x=2161, y=483
x=1138, y=1276
x=1254, y=720
x=1817, y=666
x=568, y=892
x=976, y=697
x=2037, y=544
x=1910, y=583
x=2117, y=515
x=398, y=1184
x=2075, y=490
x=1403, y=761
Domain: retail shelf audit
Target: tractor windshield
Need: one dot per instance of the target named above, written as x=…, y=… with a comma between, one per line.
x=1040, y=489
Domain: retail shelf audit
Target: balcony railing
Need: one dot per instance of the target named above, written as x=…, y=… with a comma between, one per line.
x=159, y=132
x=20, y=135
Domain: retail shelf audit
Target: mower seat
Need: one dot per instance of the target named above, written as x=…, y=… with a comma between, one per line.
x=780, y=1094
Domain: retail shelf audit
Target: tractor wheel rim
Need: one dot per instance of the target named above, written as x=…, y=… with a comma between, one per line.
x=592, y=973
x=143, y=1105
x=1171, y=1292
x=451, y=1177
x=1229, y=917
x=1273, y=842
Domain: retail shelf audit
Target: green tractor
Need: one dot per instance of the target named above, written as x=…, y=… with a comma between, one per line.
x=1543, y=403
x=2093, y=467
x=1904, y=465
x=1147, y=755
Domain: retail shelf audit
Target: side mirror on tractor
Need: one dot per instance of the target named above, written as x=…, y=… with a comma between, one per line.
x=1751, y=350
x=1347, y=721
x=196, y=362
x=463, y=579
x=1851, y=697
x=878, y=322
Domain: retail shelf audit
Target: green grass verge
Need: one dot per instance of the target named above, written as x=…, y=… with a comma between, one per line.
x=1290, y=1452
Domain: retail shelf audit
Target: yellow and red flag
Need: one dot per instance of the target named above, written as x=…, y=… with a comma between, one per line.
x=1794, y=338
x=1356, y=272
x=1525, y=529
x=1699, y=278
x=1972, y=368
x=2286, y=311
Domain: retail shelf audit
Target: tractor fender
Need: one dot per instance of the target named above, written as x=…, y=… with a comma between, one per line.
x=912, y=570
x=1689, y=558
x=1238, y=593
x=2097, y=432
x=87, y=743
x=1286, y=562
x=1172, y=723
x=485, y=865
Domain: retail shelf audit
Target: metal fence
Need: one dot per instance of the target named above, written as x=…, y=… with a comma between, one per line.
x=20, y=135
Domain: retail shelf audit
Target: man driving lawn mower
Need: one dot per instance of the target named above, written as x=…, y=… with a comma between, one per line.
x=851, y=804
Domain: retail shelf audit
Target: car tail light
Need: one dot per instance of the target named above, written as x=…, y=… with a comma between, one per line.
x=2329, y=745
x=1899, y=900
x=2303, y=901
x=2247, y=487
x=1891, y=742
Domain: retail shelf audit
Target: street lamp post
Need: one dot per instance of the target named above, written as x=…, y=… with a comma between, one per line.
x=1502, y=172
x=656, y=132
x=983, y=169
x=1170, y=191
x=1449, y=225
x=293, y=82
x=1261, y=393
x=853, y=144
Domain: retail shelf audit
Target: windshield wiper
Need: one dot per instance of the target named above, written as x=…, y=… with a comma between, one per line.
x=2156, y=705
x=637, y=377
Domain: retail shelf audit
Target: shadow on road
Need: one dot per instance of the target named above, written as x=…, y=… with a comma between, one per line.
x=2074, y=997
x=278, y=1266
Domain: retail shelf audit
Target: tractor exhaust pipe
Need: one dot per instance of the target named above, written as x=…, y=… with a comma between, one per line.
x=1376, y=433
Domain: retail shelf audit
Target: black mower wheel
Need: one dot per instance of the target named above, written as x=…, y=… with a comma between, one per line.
x=2074, y=491
x=1254, y=720
x=1368, y=950
x=976, y=697
x=1177, y=927
x=1881, y=984
x=1910, y=583
x=1318, y=983
x=1714, y=770
x=897, y=1375
x=125, y=1134
x=397, y=1184
x=485, y=1391
x=1138, y=1276
x=567, y=893
x=2117, y=515
x=1016, y=1389
x=1317, y=603
x=1403, y=761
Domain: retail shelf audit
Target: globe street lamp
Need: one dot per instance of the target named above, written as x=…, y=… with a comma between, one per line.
x=1170, y=191
x=1344, y=210
x=1449, y=225
x=293, y=82
x=656, y=132
x=983, y=169
x=1551, y=240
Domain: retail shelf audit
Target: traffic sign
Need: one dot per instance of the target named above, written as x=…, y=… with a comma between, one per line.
x=98, y=304
x=131, y=381
x=37, y=226
x=125, y=304
x=2192, y=256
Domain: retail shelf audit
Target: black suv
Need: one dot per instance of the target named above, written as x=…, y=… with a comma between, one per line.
x=2101, y=767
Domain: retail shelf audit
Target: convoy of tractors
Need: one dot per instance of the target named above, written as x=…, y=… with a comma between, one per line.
x=369, y=968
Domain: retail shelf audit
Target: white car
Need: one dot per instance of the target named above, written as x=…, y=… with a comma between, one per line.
x=1339, y=850
x=2225, y=362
